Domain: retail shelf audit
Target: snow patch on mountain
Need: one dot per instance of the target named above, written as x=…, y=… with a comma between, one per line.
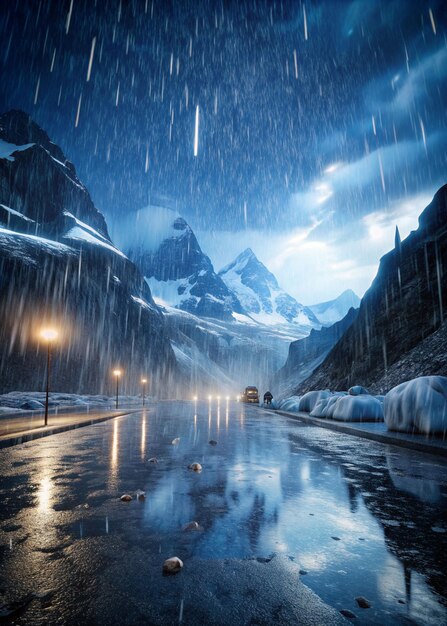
x=169, y=292
x=22, y=246
x=8, y=149
x=82, y=232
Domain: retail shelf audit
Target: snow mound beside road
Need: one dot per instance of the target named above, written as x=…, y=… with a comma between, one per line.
x=419, y=405
x=310, y=399
x=362, y=408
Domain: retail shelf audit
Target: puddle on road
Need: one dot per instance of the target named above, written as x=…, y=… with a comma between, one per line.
x=358, y=518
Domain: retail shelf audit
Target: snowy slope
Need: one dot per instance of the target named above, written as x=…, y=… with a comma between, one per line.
x=260, y=295
x=224, y=356
x=334, y=310
x=76, y=230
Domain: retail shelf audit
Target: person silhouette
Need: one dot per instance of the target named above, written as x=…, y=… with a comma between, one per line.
x=268, y=397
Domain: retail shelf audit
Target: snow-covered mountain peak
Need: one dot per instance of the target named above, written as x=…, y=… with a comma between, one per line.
x=260, y=295
x=245, y=257
x=332, y=311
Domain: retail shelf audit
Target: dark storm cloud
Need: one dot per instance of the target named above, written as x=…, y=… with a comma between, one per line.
x=365, y=92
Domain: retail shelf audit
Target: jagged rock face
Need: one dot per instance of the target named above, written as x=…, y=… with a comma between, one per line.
x=37, y=180
x=306, y=354
x=179, y=258
x=405, y=305
x=59, y=267
x=260, y=295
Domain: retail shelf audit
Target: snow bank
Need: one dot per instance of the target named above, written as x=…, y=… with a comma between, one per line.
x=18, y=401
x=289, y=404
x=362, y=408
x=346, y=408
x=418, y=405
x=337, y=406
x=323, y=406
x=309, y=400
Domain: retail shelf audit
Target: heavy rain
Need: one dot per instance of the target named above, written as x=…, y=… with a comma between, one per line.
x=223, y=254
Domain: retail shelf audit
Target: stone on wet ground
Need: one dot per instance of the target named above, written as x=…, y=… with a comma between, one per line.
x=126, y=497
x=195, y=467
x=192, y=526
x=363, y=602
x=172, y=565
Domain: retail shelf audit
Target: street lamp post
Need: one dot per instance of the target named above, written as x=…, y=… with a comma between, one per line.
x=117, y=374
x=143, y=382
x=49, y=335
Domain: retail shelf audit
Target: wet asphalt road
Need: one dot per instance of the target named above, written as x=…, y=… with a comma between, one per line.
x=279, y=504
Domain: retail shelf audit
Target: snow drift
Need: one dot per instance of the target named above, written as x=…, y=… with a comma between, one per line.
x=419, y=405
x=348, y=408
x=309, y=400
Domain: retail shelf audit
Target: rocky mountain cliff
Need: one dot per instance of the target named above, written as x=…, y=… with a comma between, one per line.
x=306, y=354
x=59, y=267
x=36, y=179
x=401, y=316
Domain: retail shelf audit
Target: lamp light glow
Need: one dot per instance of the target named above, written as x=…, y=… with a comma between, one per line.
x=49, y=334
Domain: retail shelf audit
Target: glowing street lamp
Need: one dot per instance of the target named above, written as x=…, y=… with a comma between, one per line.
x=143, y=382
x=117, y=373
x=49, y=335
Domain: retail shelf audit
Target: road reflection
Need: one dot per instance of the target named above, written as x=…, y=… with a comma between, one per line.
x=360, y=519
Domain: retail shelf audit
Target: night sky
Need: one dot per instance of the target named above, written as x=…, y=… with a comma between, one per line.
x=321, y=124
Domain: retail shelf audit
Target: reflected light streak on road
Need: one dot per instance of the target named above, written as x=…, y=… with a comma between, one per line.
x=44, y=494
x=143, y=435
x=114, y=454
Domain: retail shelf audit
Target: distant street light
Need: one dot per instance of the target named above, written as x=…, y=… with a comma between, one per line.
x=49, y=335
x=143, y=382
x=117, y=374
